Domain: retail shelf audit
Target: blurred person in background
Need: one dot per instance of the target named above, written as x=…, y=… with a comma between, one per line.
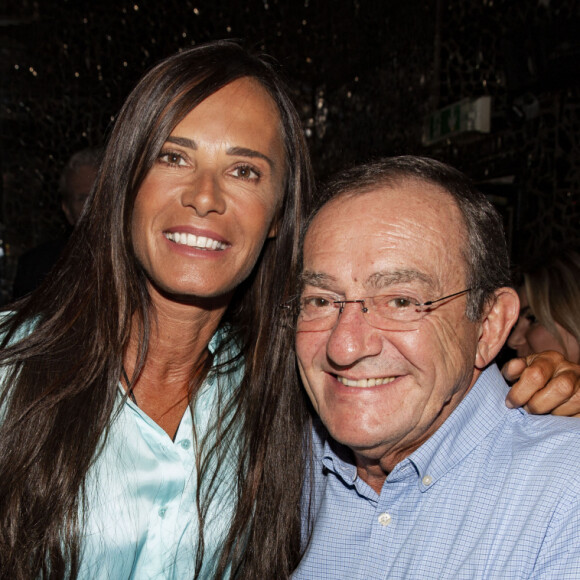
x=550, y=307
x=75, y=184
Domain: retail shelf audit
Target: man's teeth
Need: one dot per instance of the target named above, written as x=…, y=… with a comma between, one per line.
x=362, y=383
x=192, y=241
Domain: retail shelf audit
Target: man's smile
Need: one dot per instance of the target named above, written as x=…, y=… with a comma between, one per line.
x=365, y=383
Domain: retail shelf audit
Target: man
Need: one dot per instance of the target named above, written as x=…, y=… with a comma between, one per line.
x=76, y=182
x=422, y=471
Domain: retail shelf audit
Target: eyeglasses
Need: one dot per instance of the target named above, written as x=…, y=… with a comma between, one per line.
x=386, y=312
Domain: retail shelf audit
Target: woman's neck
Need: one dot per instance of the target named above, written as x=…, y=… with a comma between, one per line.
x=179, y=335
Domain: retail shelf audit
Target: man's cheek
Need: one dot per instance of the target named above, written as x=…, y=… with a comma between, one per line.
x=303, y=375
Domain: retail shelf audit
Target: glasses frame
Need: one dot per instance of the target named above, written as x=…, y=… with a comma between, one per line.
x=288, y=305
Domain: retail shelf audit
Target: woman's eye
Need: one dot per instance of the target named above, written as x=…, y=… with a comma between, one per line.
x=246, y=172
x=531, y=318
x=172, y=158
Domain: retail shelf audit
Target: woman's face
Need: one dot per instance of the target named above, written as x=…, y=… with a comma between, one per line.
x=529, y=336
x=210, y=200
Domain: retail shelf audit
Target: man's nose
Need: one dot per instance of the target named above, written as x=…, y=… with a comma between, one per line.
x=352, y=338
x=204, y=194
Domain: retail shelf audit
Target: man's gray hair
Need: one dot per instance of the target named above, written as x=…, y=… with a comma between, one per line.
x=485, y=252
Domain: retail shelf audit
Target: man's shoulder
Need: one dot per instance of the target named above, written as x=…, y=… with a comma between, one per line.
x=510, y=448
x=530, y=431
x=518, y=430
x=546, y=446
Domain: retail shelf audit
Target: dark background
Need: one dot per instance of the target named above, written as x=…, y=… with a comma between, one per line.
x=365, y=76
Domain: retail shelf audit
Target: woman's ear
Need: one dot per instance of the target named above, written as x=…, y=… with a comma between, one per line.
x=274, y=228
x=501, y=314
x=275, y=225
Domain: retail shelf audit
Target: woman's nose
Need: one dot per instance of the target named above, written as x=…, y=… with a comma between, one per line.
x=204, y=195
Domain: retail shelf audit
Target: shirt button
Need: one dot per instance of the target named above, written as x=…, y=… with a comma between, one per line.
x=186, y=444
x=161, y=512
x=427, y=480
x=385, y=519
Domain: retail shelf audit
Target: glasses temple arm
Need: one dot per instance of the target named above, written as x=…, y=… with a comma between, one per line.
x=445, y=297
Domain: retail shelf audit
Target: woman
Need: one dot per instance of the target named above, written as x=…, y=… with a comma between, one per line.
x=550, y=308
x=134, y=441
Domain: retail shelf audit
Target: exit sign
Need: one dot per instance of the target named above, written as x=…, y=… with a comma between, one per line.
x=465, y=116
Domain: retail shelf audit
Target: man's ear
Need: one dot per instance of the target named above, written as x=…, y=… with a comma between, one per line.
x=501, y=314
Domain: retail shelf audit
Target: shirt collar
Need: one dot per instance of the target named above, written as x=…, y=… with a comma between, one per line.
x=219, y=335
x=476, y=415
x=339, y=459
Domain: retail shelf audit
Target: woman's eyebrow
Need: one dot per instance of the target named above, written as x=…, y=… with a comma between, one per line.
x=183, y=141
x=245, y=152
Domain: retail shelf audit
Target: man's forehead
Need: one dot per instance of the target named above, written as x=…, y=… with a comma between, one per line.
x=378, y=279
x=409, y=192
x=375, y=280
x=402, y=229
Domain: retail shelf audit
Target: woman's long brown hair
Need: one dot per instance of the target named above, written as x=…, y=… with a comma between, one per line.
x=60, y=381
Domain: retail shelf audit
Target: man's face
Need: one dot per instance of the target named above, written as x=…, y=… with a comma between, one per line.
x=383, y=393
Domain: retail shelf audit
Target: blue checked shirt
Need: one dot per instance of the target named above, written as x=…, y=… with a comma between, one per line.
x=493, y=494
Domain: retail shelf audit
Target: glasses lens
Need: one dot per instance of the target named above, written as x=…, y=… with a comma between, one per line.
x=395, y=308
x=317, y=313
x=386, y=312
x=390, y=312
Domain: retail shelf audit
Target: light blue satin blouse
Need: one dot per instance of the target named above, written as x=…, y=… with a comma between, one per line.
x=142, y=518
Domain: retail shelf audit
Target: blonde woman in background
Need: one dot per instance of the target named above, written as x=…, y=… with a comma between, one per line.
x=550, y=308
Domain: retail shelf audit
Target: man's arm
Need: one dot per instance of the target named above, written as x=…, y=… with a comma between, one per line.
x=546, y=383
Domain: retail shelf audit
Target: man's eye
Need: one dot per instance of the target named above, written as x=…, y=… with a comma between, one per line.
x=398, y=302
x=315, y=302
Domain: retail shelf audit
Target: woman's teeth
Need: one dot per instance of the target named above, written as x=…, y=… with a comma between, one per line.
x=200, y=242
